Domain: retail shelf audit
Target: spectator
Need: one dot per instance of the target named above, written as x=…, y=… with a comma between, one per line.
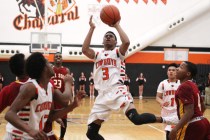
x=73, y=86
x=82, y=81
x=1, y=81
x=91, y=86
x=141, y=81
x=207, y=91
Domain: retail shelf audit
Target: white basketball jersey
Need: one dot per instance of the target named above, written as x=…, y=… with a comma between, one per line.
x=34, y=114
x=168, y=90
x=109, y=69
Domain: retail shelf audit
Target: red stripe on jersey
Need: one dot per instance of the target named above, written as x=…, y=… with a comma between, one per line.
x=23, y=114
x=17, y=132
x=40, y=124
x=17, y=139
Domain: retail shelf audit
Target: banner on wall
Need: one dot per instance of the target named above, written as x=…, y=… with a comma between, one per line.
x=32, y=12
x=71, y=17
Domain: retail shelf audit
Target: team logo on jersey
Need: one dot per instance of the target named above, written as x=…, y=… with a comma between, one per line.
x=33, y=13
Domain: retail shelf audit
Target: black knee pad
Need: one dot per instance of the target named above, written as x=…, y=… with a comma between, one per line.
x=139, y=119
x=92, y=132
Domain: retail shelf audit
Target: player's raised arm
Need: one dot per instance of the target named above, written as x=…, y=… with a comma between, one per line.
x=124, y=38
x=66, y=96
x=86, y=50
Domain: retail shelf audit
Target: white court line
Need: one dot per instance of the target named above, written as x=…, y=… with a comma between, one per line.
x=156, y=128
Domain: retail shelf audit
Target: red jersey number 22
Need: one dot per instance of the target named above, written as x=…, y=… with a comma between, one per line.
x=105, y=73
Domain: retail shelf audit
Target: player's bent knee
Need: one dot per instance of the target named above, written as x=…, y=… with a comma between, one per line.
x=91, y=136
x=139, y=119
x=92, y=132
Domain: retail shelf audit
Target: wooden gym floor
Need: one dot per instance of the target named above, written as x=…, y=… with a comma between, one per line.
x=118, y=127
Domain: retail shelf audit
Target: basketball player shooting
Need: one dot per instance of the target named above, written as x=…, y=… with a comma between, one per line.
x=108, y=71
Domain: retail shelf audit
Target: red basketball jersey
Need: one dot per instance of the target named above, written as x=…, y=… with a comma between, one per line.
x=188, y=93
x=9, y=93
x=198, y=127
x=59, y=76
x=59, y=82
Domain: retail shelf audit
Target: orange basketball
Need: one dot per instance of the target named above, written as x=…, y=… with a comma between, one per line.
x=110, y=14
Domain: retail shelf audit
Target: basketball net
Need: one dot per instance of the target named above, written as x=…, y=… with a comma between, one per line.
x=46, y=51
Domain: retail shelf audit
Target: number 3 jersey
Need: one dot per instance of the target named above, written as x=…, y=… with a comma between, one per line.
x=109, y=69
x=36, y=112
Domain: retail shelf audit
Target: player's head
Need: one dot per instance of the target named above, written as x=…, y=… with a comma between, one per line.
x=141, y=75
x=186, y=71
x=58, y=58
x=17, y=64
x=36, y=65
x=109, y=40
x=171, y=71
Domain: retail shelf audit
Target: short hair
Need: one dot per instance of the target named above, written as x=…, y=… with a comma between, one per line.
x=173, y=65
x=57, y=53
x=35, y=65
x=112, y=33
x=191, y=67
x=17, y=64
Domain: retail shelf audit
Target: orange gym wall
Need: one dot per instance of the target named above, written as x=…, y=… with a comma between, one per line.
x=158, y=58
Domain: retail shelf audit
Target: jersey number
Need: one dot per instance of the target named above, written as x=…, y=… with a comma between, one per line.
x=105, y=73
x=42, y=122
x=58, y=83
x=172, y=101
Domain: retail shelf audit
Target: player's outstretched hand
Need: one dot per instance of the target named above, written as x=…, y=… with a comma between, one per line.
x=68, y=78
x=92, y=25
x=77, y=99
